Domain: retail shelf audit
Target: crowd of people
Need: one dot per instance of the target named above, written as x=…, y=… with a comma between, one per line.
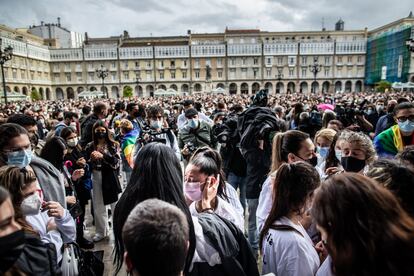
x=211, y=184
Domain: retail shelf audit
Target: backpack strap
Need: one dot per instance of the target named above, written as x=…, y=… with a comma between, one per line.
x=283, y=227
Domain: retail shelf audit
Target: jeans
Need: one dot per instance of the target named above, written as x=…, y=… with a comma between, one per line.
x=238, y=182
x=252, y=226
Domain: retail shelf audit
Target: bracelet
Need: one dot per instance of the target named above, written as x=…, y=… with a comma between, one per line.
x=207, y=209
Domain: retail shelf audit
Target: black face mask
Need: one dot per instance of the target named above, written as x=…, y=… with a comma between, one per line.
x=11, y=246
x=352, y=164
x=313, y=161
x=100, y=135
x=136, y=114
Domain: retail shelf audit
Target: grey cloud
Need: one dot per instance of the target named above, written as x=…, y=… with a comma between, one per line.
x=142, y=17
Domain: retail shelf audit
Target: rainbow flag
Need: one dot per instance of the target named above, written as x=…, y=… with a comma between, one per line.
x=389, y=142
x=128, y=146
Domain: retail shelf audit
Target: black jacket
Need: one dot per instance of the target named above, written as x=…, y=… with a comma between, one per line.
x=110, y=166
x=37, y=258
x=86, y=130
x=256, y=123
x=236, y=255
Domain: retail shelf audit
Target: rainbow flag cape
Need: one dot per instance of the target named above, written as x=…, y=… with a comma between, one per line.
x=128, y=146
x=389, y=142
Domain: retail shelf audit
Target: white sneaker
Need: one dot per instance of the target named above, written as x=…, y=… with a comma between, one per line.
x=98, y=237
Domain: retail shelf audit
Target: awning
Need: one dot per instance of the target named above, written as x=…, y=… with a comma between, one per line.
x=91, y=94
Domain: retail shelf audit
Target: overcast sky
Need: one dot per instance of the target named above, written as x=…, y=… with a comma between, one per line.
x=102, y=18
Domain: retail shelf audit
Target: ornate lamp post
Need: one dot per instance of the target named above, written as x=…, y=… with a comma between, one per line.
x=315, y=68
x=138, y=81
x=102, y=73
x=279, y=77
x=5, y=55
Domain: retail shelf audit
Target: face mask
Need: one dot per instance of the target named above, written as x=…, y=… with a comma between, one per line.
x=338, y=154
x=407, y=126
x=11, y=246
x=193, y=123
x=20, y=158
x=136, y=114
x=323, y=151
x=73, y=125
x=380, y=108
x=31, y=205
x=313, y=161
x=192, y=190
x=156, y=124
x=100, y=135
x=72, y=142
x=352, y=164
x=370, y=111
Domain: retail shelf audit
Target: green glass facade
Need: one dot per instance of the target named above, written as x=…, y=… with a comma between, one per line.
x=388, y=50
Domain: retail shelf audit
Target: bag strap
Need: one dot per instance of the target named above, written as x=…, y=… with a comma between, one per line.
x=284, y=227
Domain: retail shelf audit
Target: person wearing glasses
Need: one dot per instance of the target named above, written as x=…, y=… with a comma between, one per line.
x=160, y=131
x=393, y=140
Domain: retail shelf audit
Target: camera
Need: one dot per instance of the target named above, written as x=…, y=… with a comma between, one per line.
x=152, y=136
x=191, y=147
x=226, y=132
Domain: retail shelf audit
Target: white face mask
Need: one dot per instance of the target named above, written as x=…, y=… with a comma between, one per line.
x=72, y=142
x=31, y=205
x=156, y=124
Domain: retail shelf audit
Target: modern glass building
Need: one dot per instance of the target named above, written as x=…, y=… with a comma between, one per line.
x=388, y=57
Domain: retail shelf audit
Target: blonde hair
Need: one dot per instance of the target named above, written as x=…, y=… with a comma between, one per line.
x=285, y=143
x=126, y=125
x=363, y=140
x=326, y=133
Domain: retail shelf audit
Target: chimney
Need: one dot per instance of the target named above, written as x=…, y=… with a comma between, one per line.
x=86, y=36
x=189, y=32
x=58, y=23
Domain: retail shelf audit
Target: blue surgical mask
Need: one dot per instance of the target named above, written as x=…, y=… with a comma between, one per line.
x=193, y=123
x=323, y=151
x=338, y=154
x=20, y=158
x=407, y=126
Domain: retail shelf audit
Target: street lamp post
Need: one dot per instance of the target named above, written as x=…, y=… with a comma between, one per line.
x=279, y=77
x=102, y=73
x=138, y=81
x=5, y=55
x=315, y=68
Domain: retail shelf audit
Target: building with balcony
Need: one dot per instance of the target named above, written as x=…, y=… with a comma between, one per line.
x=239, y=61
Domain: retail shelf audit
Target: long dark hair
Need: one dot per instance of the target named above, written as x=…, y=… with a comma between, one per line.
x=331, y=160
x=157, y=174
x=209, y=162
x=54, y=152
x=368, y=232
x=108, y=139
x=292, y=186
x=397, y=178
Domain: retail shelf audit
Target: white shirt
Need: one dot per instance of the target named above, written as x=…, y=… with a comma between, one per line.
x=65, y=233
x=325, y=269
x=265, y=203
x=225, y=210
x=234, y=199
x=204, y=252
x=288, y=253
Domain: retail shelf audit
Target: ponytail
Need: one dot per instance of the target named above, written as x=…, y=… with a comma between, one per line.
x=277, y=159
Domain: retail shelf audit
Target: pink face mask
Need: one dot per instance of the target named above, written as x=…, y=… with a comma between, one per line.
x=192, y=190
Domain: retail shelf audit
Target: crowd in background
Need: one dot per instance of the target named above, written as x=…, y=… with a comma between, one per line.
x=211, y=184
